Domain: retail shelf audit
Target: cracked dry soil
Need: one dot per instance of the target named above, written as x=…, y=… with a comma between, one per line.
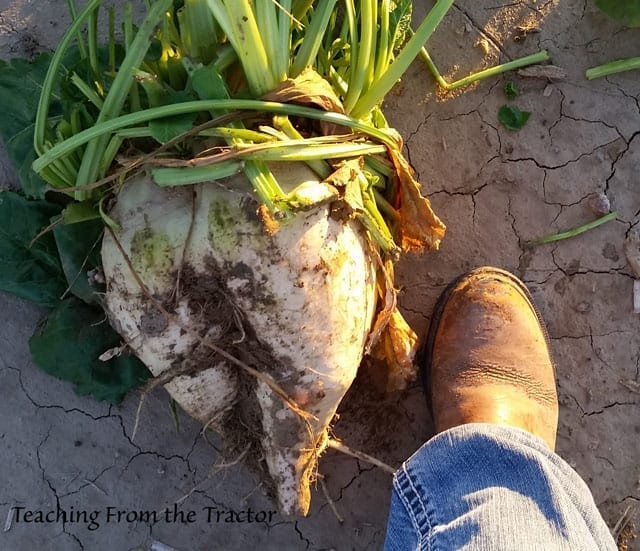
x=496, y=190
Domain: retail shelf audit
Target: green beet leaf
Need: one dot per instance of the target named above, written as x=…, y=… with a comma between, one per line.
x=68, y=343
x=625, y=11
x=208, y=84
x=167, y=128
x=513, y=118
x=84, y=211
x=79, y=249
x=400, y=22
x=20, y=87
x=511, y=90
x=30, y=271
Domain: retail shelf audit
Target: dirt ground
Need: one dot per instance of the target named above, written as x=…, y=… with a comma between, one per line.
x=496, y=190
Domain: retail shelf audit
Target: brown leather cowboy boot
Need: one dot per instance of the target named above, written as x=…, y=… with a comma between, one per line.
x=487, y=357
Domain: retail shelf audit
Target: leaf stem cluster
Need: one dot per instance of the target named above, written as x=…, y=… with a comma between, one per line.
x=196, y=60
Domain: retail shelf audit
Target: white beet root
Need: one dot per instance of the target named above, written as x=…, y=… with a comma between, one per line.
x=306, y=295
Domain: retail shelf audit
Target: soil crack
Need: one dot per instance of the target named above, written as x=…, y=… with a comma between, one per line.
x=608, y=406
x=52, y=406
x=306, y=541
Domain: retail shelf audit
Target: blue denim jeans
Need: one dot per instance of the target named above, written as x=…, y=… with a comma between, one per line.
x=493, y=488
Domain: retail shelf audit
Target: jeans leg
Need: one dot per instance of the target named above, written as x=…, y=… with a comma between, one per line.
x=491, y=488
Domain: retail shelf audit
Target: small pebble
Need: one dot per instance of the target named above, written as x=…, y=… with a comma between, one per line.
x=599, y=204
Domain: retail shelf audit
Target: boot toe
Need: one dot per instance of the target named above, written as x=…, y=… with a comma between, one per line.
x=487, y=356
